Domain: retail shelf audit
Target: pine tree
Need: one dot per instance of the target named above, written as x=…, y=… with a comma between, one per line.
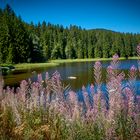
x=10, y=55
x=80, y=51
x=56, y=52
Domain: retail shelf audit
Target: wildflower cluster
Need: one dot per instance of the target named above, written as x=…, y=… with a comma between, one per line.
x=45, y=109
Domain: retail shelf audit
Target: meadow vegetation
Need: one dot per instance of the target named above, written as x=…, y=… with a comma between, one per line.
x=25, y=66
x=47, y=110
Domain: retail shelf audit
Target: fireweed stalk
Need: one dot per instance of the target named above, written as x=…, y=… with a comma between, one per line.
x=114, y=86
x=98, y=78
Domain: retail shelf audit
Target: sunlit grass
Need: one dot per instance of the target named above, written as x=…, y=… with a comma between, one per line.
x=85, y=60
x=34, y=65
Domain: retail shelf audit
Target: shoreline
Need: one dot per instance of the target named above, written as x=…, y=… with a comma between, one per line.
x=52, y=63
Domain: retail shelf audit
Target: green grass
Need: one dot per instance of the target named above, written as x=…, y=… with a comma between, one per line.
x=6, y=65
x=34, y=65
x=82, y=60
x=135, y=57
x=52, y=63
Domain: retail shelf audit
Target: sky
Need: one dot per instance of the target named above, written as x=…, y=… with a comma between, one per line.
x=116, y=15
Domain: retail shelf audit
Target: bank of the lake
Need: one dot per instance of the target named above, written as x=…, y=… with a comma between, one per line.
x=52, y=63
x=24, y=66
x=81, y=69
x=83, y=60
x=56, y=62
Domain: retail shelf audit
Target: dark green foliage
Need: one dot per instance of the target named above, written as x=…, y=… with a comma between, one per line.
x=13, y=38
x=21, y=42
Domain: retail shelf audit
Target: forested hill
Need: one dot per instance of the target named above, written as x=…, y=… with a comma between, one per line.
x=21, y=42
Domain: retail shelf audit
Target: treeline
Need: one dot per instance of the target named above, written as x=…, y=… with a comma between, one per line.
x=21, y=42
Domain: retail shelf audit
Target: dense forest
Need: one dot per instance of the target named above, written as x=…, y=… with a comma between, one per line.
x=23, y=42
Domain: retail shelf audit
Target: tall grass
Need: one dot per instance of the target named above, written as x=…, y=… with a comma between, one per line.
x=46, y=110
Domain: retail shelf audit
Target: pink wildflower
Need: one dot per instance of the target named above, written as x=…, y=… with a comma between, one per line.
x=92, y=88
x=39, y=78
x=47, y=76
x=97, y=73
x=110, y=69
x=115, y=57
x=133, y=68
x=132, y=74
x=98, y=64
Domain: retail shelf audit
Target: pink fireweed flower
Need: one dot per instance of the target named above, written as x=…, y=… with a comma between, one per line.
x=128, y=93
x=92, y=88
x=130, y=101
x=8, y=90
x=86, y=99
x=98, y=73
x=115, y=57
x=133, y=69
x=114, y=64
x=56, y=75
x=47, y=76
x=121, y=77
x=23, y=85
x=138, y=102
x=97, y=64
x=110, y=69
x=138, y=98
x=72, y=97
x=56, y=78
x=29, y=81
x=76, y=113
x=36, y=84
x=83, y=88
x=90, y=115
x=110, y=73
x=132, y=73
x=72, y=101
x=24, y=82
x=96, y=103
x=39, y=78
x=127, y=90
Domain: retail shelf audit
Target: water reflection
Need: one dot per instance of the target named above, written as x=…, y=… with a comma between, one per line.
x=83, y=71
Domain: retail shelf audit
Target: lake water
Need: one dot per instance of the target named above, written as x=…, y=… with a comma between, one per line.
x=83, y=71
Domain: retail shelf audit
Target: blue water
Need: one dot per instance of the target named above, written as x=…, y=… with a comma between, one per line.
x=83, y=71
x=123, y=64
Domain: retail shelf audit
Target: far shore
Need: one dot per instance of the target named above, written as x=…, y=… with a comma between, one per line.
x=53, y=63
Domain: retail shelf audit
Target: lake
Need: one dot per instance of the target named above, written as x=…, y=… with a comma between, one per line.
x=83, y=71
